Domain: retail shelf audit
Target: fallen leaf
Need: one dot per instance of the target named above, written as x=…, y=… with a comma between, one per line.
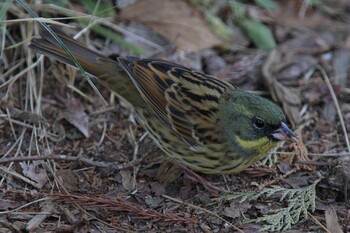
x=313, y=96
x=236, y=209
x=8, y=205
x=309, y=43
x=329, y=112
x=127, y=179
x=332, y=222
x=299, y=65
x=46, y=211
x=68, y=179
x=289, y=97
x=213, y=63
x=284, y=166
x=177, y=21
x=237, y=71
x=75, y=114
x=34, y=172
x=153, y=202
x=157, y=188
x=341, y=63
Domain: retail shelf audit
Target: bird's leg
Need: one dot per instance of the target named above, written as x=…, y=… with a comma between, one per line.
x=198, y=178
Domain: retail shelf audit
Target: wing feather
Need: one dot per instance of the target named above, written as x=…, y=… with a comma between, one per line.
x=184, y=100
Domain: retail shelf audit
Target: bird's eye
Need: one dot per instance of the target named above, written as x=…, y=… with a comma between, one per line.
x=258, y=123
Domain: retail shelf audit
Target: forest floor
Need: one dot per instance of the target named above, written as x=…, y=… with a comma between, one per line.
x=73, y=160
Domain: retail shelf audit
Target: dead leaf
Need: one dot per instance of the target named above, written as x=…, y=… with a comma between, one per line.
x=127, y=180
x=75, y=114
x=239, y=68
x=213, y=63
x=236, y=209
x=177, y=21
x=332, y=222
x=154, y=40
x=38, y=219
x=289, y=97
x=285, y=166
x=329, y=112
x=68, y=179
x=313, y=95
x=341, y=63
x=309, y=43
x=299, y=65
x=157, y=188
x=34, y=172
x=153, y=202
x=8, y=205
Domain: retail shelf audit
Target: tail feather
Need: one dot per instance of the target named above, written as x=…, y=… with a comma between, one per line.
x=109, y=72
x=88, y=59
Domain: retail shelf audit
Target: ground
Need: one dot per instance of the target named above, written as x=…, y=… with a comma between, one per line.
x=73, y=160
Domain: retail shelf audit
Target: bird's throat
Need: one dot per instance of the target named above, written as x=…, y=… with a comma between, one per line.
x=257, y=146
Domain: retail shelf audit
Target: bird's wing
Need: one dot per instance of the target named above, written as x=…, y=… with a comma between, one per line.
x=185, y=100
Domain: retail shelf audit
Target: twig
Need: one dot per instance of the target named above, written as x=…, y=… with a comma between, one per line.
x=269, y=183
x=25, y=205
x=19, y=176
x=318, y=222
x=334, y=97
x=75, y=158
x=203, y=209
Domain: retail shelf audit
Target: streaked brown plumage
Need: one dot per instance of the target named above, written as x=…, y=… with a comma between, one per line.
x=200, y=121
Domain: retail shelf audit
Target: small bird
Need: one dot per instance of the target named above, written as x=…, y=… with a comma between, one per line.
x=199, y=121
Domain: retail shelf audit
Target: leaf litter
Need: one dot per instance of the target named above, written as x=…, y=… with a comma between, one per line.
x=307, y=40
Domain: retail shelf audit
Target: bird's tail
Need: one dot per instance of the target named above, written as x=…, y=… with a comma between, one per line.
x=92, y=62
x=109, y=72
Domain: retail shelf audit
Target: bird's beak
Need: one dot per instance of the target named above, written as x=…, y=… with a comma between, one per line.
x=283, y=133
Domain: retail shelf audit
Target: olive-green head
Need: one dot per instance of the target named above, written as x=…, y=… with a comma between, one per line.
x=252, y=125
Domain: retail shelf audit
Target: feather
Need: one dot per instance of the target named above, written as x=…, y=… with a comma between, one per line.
x=182, y=99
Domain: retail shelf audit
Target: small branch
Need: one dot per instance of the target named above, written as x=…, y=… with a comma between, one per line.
x=337, y=107
x=75, y=158
x=19, y=176
x=318, y=222
x=203, y=209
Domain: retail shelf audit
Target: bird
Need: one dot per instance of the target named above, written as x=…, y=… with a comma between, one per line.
x=199, y=121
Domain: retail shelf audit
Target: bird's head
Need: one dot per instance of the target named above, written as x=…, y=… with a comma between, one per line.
x=252, y=124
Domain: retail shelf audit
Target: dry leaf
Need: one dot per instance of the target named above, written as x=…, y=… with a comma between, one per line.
x=341, y=63
x=236, y=209
x=38, y=219
x=128, y=181
x=176, y=21
x=298, y=65
x=332, y=222
x=289, y=98
x=68, y=179
x=153, y=202
x=157, y=188
x=34, y=172
x=7, y=204
x=75, y=114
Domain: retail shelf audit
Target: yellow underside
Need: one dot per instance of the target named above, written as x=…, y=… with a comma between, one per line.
x=261, y=146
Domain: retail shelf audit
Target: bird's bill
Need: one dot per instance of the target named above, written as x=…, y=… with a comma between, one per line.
x=283, y=133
